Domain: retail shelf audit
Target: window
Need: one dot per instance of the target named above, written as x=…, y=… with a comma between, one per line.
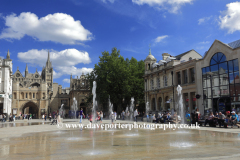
x=192, y=72
x=179, y=78
x=22, y=95
x=26, y=95
x=165, y=81
x=33, y=95
x=185, y=80
x=158, y=82
x=15, y=95
x=43, y=95
x=152, y=84
x=218, y=58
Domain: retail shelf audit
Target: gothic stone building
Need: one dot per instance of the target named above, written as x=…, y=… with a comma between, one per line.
x=37, y=94
x=32, y=92
x=80, y=89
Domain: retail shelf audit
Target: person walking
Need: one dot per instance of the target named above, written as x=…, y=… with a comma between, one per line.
x=123, y=115
x=45, y=117
x=101, y=116
x=135, y=115
x=81, y=115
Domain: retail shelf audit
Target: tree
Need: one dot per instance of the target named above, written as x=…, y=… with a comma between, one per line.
x=117, y=77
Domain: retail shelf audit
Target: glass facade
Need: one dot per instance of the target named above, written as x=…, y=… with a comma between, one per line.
x=221, y=85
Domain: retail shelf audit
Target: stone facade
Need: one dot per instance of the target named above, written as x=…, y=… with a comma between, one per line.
x=80, y=89
x=6, y=85
x=32, y=92
x=161, y=79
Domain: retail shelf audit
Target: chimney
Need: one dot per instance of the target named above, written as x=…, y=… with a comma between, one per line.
x=165, y=55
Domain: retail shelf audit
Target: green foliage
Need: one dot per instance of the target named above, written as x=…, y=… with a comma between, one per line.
x=118, y=77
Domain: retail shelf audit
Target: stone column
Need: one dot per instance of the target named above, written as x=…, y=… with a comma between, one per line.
x=156, y=102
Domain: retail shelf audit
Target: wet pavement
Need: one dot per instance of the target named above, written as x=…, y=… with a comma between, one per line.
x=122, y=144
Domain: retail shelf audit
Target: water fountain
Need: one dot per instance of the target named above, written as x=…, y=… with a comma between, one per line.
x=131, y=108
x=180, y=102
x=110, y=108
x=94, y=100
x=74, y=107
x=147, y=108
x=62, y=111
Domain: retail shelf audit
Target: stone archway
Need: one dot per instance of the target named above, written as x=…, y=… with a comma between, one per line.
x=31, y=108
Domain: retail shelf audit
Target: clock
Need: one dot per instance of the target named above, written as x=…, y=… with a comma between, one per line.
x=36, y=76
x=17, y=75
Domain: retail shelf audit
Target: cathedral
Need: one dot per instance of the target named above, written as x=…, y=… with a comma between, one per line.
x=37, y=94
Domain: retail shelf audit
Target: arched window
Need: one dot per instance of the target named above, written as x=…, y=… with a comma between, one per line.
x=218, y=58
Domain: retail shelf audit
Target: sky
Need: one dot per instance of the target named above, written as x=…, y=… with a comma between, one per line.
x=76, y=32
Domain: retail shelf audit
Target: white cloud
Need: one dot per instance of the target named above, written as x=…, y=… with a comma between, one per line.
x=57, y=27
x=66, y=80
x=171, y=5
x=105, y=1
x=230, y=19
x=202, y=20
x=204, y=42
x=63, y=62
x=160, y=38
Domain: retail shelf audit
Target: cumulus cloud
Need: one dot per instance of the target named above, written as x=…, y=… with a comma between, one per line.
x=57, y=27
x=172, y=6
x=202, y=20
x=160, y=38
x=105, y=1
x=63, y=61
x=66, y=80
x=230, y=19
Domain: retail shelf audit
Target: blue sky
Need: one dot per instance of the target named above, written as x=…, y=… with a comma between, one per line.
x=76, y=32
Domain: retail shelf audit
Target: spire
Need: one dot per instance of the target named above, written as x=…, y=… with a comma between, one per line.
x=150, y=49
x=48, y=56
x=36, y=70
x=26, y=69
x=8, y=55
x=17, y=68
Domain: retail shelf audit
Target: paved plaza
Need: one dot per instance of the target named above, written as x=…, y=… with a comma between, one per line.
x=38, y=139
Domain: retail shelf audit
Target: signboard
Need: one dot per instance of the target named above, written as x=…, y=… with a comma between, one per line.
x=194, y=99
x=14, y=111
x=198, y=96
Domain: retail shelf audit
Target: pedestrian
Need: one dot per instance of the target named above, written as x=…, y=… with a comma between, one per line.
x=81, y=115
x=50, y=117
x=147, y=117
x=142, y=116
x=135, y=115
x=123, y=115
x=43, y=117
x=101, y=116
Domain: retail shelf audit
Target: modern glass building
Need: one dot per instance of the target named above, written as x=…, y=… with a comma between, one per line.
x=220, y=87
